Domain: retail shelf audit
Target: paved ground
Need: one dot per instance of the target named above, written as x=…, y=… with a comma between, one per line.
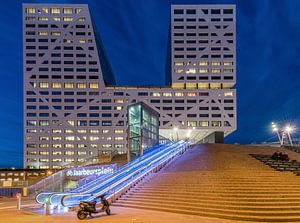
x=119, y=215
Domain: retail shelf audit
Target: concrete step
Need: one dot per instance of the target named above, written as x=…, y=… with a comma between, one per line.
x=213, y=214
x=241, y=201
x=218, y=205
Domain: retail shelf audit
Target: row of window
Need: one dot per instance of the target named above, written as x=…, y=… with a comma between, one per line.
x=54, y=10
x=225, y=56
x=202, y=71
x=203, y=63
x=200, y=34
x=80, y=131
x=203, y=11
x=66, y=85
x=204, y=20
x=198, y=27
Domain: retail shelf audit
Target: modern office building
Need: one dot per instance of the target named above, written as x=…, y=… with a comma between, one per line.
x=73, y=108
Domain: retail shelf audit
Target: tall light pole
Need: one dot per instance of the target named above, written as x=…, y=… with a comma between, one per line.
x=288, y=130
x=275, y=129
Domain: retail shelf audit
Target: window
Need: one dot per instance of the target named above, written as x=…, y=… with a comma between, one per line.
x=68, y=19
x=167, y=94
x=43, y=19
x=56, y=85
x=203, y=71
x=203, y=123
x=179, y=94
x=78, y=10
x=30, y=10
x=178, y=11
x=155, y=94
x=216, y=63
x=81, y=85
x=191, y=123
x=68, y=11
x=55, y=10
x=44, y=85
x=94, y=85
x=57, y=19
x=203, y=63
x=216, y=70
x=69, y=85
x=228, y=63
x=119, y=131
x=179, y=63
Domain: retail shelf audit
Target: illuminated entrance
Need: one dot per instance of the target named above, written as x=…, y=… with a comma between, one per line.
x=143, y=129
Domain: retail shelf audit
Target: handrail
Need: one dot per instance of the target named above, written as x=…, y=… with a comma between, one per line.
x=135, y=175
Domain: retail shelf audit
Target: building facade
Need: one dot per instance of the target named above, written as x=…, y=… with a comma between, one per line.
x=73, y=108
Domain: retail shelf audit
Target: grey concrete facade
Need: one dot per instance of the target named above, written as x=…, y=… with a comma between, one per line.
x=72, y=107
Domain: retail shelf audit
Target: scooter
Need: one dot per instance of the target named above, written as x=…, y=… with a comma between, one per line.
x=89, y=207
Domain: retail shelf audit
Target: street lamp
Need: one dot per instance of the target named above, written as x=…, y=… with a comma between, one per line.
x=289, y=130
x=275, y=129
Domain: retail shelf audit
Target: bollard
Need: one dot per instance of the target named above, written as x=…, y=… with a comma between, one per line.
x=18, y=195
x=47, y=207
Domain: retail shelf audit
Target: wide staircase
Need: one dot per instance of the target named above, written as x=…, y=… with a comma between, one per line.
x=221, y=181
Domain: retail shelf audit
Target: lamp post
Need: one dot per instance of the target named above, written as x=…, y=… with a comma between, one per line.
x=288, y=130
x=275, y=129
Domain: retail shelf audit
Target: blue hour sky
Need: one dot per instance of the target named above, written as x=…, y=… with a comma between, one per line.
x=135, y=35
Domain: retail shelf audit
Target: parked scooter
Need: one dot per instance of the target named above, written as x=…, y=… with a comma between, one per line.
x=89, y=207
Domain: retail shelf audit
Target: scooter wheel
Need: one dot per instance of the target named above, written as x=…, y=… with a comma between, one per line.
x=81, y=215
x=108, y=211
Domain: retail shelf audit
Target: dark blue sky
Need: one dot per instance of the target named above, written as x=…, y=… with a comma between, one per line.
x=135, y=34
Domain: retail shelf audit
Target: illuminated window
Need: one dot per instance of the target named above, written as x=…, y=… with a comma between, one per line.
x=216, y=123
x=81, y=85
x=191, y=123
x=44, y=160
x=29, y=18
x=106, y=145
x=94, y=145
x=203, y=123
x=68, y=19
x=178, y=71
x=191, y=71
x=216, y=63
x=30, y=10
x=191, y=94
x=228, y=63
x=203, y=63
x=81, y=40
x=216, y=70
x=44, y=138
x=44, y=145
x=44, y=85
x=203, y=71
x=70, y=138
x=119, y=145
x=119, y=138
x=81, y=145
x=167, y=94
x=44, y=167
x=81, y=131
x=179, y=94
x=119, y=100
x=94, y=138
x=57, y=19
x=78, y=10
x=203, y=85
x=68, y=11
x=43, y=33
x=43, y=19
x=56, y=145
x=55, y=33
x=118, y=108
x=178, y=85
x=56, y=131
x=31, y=123
x=94, y=85
x=68, y=40
x=228, y=70
x=45, y=10
x=55, y=10
x=94, y=131
x=44, y=153
x=69, y=85
x=119, y=131
x=69, y=152
x=56, y=160
x=155, y=94
x=81, y=152
x=56, y=138
x=68, y=131
x=179, y=63
x=191, y=85
x=72, y=123
x=105, y=131
x=44, y=123
x=215, y=86
x=56, y=85
x=230, y=93
x=81, y=19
